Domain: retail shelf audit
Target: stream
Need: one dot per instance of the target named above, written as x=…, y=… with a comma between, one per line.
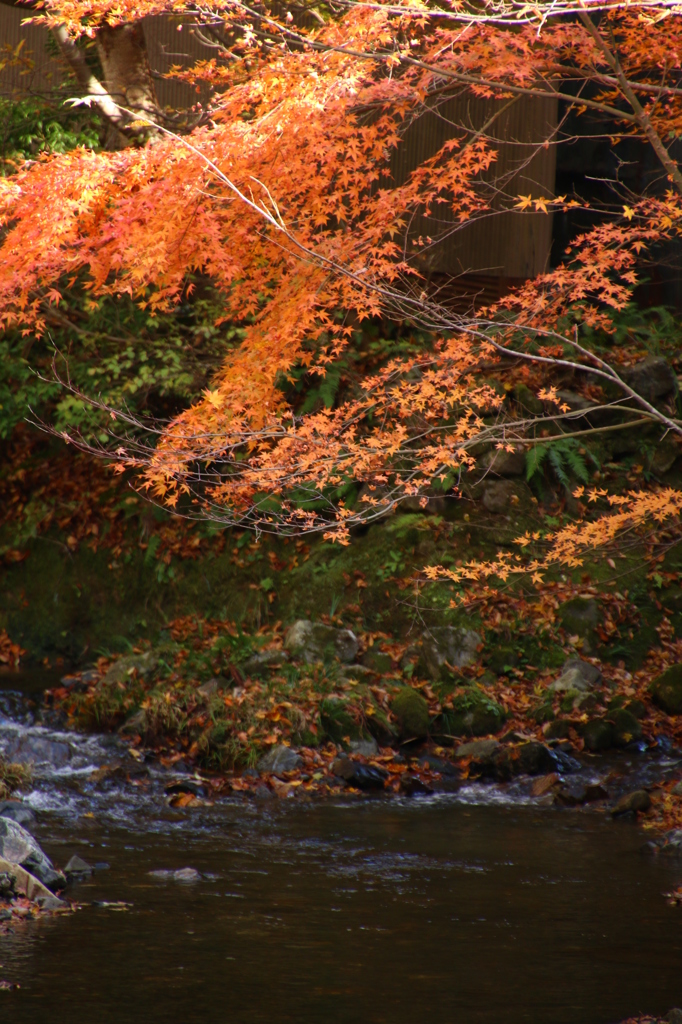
x=482, y=907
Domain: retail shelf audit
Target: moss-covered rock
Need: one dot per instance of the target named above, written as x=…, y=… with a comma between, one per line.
x=336, y=720
x=412, y=713
x=502, y=658
x=598, y=734
x=580, y=617
x=666, y=690
x=472, y=714
x=558, y=729
x=626, y=727
x=377, y=660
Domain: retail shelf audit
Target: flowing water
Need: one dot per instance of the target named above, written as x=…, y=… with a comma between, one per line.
x=479, y=907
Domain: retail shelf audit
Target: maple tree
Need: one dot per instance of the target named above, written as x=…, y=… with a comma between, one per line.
x=282, y=194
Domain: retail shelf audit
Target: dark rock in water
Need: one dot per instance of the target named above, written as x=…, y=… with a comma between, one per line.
x=18, y=812
x=361, y=776
x=412, y=712
x=185, y=786
x=368, y=777
x=563, y=762
x=77, y=869
x=478, y=749
x=410, y=785
x=535, y=759
x=313, y=641
x=666, y=690
x=18, y=846
x=508, y=762
x=439, y=764
x=652, y=378
x=639, y=800
x=598, y=735
x=669, y=845
x=32, y=749
x=280, y=759
x=575, y=794
x=626, y=727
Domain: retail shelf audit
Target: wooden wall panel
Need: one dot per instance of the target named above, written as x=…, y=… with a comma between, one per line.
x=502, y=244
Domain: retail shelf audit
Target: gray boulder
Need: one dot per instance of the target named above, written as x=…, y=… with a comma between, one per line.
x=280, y=759
x=19, y=847
x=313, y=641
x=364, y=747
x=32, y=749
x=262, y=660
x=449, y=645
x=653, y=378
x=501, y=496
x=503, y=463
x=576, y=675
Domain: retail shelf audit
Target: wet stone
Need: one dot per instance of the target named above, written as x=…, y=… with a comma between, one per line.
x=77, y=869
x=410, y=785
x=28, y=749
x=638, y=801
x=361, y=776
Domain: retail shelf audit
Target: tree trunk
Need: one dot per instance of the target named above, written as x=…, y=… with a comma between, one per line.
x=127, y=76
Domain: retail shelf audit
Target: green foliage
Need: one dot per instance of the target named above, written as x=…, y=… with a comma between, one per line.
x=115, y=352
x=655, y=328
x=34, y=126
x=565, y=457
